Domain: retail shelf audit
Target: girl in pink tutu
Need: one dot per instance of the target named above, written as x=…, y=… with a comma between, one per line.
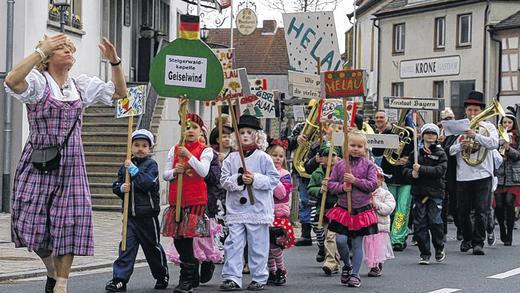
x=281, y=233
x=362, y=221
x=378, y=247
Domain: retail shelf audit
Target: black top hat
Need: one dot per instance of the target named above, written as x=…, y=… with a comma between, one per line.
x=213, y=136
x=475, y=99
x=249, y=121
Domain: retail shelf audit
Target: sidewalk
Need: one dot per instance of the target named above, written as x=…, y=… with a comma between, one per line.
x=18, y=263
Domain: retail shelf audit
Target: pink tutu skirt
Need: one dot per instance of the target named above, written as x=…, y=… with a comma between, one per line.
x=377, y=248
x=361, y=222
x=204, y=248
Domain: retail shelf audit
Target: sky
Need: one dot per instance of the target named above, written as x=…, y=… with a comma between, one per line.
x=264, y=12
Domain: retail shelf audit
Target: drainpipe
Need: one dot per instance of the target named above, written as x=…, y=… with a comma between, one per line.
x=484, y=67
x=8, y=124
x=378, y=58
x=499, y=75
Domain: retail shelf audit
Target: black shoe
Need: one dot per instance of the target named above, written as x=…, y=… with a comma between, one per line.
x=281, y=278
x=303, y=242
x=424, y=260
x=255, y=286
x=320, y=257
x=206, y=271
x=398, y=247
x=186, y=278
x=440, y=255
x=115, y=285
x=477, y=250
x=459, y=235
x=508, y=243
x=271, y=278
x=465, y=246
x=162, y=283
x=328, y=271
x=49, y=285
x=229, y=285
x=491, y=238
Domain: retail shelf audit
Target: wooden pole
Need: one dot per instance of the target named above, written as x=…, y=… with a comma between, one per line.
x=220, y=133
x=183, y=103
x=240, y=150
x=127, y=181
x=346, y=156
x=327, y=175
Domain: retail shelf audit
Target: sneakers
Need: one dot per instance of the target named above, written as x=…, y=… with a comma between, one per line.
x=440, y=255
x=465, y=246
x=281, y=278
x=477, y=250
x=162, y=283
x=320, y=257
x=229, y=285
x=115, y=285
x=255, y=286
x=328, y=271
x=346, y=273
x=491, y=240
x=375, y=272
x=424, y=260
x=354, y=281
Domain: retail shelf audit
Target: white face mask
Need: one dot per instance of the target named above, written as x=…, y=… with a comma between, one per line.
x=247, y=136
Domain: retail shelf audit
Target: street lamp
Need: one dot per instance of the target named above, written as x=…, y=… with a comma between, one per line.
x=62, y=5
x=204, y=33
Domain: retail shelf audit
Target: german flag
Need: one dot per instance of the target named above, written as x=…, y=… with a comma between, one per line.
x=190, y=27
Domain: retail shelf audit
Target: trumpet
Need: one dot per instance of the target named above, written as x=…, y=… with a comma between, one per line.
x=474, y=147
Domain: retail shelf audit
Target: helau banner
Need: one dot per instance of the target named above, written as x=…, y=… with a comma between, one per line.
x=344, y=83
x=261, y=105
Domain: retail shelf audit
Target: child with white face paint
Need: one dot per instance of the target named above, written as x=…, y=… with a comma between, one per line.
x=246, y=221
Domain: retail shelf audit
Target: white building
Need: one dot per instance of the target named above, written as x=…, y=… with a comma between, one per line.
x=134, y=26
x=440, y=48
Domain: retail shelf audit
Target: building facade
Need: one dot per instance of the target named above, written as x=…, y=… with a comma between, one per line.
x=440, y=48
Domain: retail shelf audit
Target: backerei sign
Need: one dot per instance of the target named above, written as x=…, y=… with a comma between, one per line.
x=430, y=67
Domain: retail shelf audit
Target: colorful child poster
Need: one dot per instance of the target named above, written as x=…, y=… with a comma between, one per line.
x=332, y=111
x=261, y=105
x=133, y=103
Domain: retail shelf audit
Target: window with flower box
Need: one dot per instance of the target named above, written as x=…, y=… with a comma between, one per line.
x=72, y=15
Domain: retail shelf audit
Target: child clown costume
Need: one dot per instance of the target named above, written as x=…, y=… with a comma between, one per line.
x=246, y=221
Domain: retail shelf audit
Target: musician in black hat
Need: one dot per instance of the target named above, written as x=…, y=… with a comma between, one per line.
x=473, y=151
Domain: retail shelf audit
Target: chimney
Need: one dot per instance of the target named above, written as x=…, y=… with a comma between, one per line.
x=269, y=27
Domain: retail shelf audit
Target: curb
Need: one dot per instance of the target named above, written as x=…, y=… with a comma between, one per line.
x=4, y=278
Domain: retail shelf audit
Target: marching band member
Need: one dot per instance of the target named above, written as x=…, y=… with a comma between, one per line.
x=474, y=182
x=244, y=220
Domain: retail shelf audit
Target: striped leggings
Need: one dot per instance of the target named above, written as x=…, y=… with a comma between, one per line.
x=275, y=261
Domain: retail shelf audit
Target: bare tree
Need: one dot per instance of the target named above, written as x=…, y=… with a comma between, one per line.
x=302, y=5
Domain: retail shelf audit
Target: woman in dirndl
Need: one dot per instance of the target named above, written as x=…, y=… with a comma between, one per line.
x=193, y=160
x=51, y=211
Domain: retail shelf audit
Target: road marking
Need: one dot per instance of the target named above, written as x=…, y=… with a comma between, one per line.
x=505, y=274
x=445, y=290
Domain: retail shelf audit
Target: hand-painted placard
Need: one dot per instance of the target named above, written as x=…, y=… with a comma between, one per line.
x=304, y=85
x=332, y=111
x=417, y=103
x=258, y=84
x=133, y=103
x=344, y=83
x=236, y=85
x=309, y=36
x=225, y=56
x=261, y=105
x=389, y=141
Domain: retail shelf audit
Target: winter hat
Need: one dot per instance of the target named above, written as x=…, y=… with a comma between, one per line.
x=249, y=121
x=447, y=113
x=143, y=134
x=430, y=127
x=325, y=147
x=195, y=118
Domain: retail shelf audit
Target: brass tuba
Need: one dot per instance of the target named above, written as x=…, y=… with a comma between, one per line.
x=405, y=134
x=312, y=131
x=474, y=147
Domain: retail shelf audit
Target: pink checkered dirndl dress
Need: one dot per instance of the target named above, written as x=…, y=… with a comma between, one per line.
x=53, y=211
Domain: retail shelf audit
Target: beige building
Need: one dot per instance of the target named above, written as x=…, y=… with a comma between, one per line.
x=440, y=48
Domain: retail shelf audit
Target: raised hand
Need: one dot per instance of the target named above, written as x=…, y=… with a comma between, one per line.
x=108, y=51
x=50, y=44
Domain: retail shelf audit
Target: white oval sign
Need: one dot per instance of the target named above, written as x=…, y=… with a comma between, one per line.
x=246, y=21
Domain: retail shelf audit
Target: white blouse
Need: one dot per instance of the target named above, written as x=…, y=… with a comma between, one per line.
x=92, y=89
x=201, y=167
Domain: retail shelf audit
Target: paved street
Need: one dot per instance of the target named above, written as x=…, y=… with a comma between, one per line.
x=459, y=273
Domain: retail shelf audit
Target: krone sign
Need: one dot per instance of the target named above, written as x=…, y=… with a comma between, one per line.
x=246, y=21
x=430, y=67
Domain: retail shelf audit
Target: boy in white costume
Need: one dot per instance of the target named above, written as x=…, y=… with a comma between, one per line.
x=248, y=222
